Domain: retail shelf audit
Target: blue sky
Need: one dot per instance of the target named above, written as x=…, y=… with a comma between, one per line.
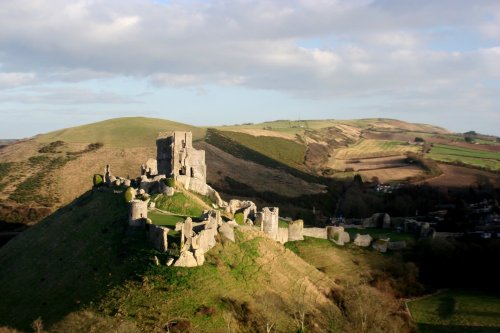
x=65, y=63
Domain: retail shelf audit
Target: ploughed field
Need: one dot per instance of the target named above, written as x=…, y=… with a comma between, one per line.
x=383, y=159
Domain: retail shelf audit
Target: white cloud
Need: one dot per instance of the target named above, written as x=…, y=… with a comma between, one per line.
x=370, y=47
x=12, y=79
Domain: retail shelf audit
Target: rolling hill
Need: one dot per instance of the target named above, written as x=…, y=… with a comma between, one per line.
x=127, y=132
x=287, y=162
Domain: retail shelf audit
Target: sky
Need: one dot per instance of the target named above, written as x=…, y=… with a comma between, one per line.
x=66, y=63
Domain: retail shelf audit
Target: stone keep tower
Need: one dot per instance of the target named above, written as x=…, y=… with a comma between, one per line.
x=177, y=157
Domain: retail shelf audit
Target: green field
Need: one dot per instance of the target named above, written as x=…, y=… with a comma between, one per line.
x=121, y=132
x=164, y=219
x=457, y=311
x=477, y=158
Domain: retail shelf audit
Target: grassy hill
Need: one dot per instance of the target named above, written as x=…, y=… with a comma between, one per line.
x=81, y=270
x=120, y=132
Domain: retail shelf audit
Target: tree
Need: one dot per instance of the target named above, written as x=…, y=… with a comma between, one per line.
x=358, y=180
x=129, y=194
x=469, y=139
x=419, y=139
x=98, y=180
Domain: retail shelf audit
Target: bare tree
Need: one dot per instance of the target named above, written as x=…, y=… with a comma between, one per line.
x=37, y=325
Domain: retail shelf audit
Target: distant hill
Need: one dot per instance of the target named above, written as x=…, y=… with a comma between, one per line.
x=120, y=132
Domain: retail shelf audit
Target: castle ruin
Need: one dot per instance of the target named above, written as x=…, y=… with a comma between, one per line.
x=177, y=158
x=178, y=165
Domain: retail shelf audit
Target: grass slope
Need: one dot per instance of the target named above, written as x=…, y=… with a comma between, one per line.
x=241, y=287
x=286, y=151
x=121, y=132
x=82, y=270
x=67, y=260
x=357, y=271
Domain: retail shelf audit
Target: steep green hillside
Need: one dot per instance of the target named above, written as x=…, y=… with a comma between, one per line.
x=121, y=132
x=68, y=260
x=286, y=151
x=82, y=270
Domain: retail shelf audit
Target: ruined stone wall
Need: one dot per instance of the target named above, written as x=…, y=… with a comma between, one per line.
x=164, y=154
x=282, y=235
x=158, y=235
x=138, y=213
x=296, y=230
x=315, y=232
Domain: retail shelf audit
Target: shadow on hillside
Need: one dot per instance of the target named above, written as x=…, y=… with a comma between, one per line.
x=69, y=261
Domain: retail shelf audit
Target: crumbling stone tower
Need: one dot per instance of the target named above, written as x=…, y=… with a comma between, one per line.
x=177, y=157
x=268, y=220
x=138, y=213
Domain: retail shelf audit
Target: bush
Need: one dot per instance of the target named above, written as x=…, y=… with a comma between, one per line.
x=419, y=139
x=129, y=194
x=170, y=182
x=239, y=218
x=98, y=180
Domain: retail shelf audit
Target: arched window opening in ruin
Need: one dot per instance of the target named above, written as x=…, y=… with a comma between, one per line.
x=141, y=214
x=183, y=143
x=192, y=172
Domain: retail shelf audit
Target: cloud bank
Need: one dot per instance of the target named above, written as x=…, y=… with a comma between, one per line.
x=415, y=56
